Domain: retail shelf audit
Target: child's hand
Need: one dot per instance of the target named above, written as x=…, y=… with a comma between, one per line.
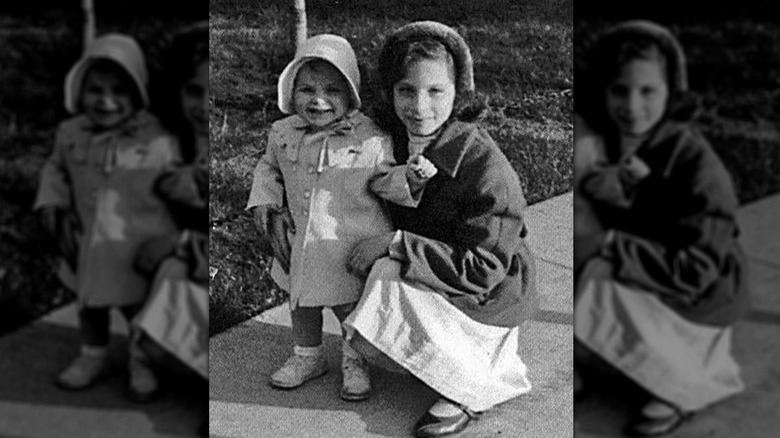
x=152, y=252
x=419, y=170
x=636, y=168
x=260, y=217
x=281, y=222
x=275, y=222
x=363, y=255
x=49, y=218
x=65, y=227
x=420, y=167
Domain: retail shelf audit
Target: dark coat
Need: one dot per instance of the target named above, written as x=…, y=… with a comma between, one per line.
x=465, y=238
x=676, y=229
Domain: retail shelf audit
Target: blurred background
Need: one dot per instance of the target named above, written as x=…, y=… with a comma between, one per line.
x=39, y=41
x=733, y=69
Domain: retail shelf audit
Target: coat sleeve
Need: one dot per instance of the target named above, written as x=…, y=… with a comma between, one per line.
x=55, y=187
x=485, y=239
x=692, y=258
x=389, y=181
x=267, y=182
x=609, y=184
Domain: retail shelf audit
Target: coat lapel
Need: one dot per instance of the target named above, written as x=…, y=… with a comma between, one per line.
x=447, y=152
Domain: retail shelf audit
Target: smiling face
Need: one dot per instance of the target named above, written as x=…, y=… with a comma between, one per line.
x=636, y=99
x=108, y=95
x=321, y=93
x=195, y=100
x=423, y=99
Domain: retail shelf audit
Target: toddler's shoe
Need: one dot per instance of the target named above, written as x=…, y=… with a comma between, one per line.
x=90, y=365
x=142, y=385
x=356, y=383
x=298, y=369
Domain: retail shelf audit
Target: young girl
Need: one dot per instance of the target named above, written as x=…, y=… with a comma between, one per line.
x=316, y=192
x=664, y=281
x=95, y=191
x=173, y=325
x=448, y=291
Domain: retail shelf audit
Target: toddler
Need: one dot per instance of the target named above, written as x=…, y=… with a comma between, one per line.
x=317, y=191
x=96, y=198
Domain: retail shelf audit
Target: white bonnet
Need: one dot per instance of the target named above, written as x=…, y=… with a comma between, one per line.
x=115, y=47
x=331, y=48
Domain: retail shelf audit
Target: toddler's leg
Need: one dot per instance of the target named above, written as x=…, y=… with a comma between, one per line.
x=92, y=362
x=143, y=384
x=307, y=361
x=356, y=380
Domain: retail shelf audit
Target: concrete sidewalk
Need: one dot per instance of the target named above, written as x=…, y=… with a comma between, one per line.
x=756, y=346
x=242, y=404
x=32, y=407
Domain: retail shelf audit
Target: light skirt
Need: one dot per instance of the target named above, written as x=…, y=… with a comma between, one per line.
x=687, y=364
x=471, y=363
x=176, y=315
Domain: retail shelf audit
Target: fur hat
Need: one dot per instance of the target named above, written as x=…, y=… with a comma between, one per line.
x=331, y=48
x=395, y=46
x=667, y=43
x=121, y=49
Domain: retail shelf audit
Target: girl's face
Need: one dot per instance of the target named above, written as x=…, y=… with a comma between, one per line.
x=637, y=98
x=424, y=98
x=321, y=94
x=195, y=100
x=107, y=96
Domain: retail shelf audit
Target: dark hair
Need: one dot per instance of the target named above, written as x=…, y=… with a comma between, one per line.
x=186, y=49
x=603, y=66
x=468, y=106
x=109, y=66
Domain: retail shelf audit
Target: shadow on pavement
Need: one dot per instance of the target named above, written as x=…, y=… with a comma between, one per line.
x=604, y=411
x=32, y=357
x=242, y=403
x=265, y=347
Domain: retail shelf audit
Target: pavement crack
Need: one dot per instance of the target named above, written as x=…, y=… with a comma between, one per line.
x=554, y=262
x=765, y=262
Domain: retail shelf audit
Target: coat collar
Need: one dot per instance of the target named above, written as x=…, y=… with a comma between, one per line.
x=447, y=151
x=343, y=126
x=140, y=120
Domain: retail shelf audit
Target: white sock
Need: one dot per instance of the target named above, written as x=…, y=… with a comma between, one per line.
x=97, y=352
x=444, y=408
x=307, y=351
x=658, y=409
x=348, y=351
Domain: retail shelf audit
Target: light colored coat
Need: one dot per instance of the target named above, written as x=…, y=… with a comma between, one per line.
x=333, y=183
x=106, y=178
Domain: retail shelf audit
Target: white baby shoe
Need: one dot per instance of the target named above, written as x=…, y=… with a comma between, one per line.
x=90, y=365
x=305, y=364
x=356, y=383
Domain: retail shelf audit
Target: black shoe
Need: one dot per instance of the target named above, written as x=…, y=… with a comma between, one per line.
x=430, y=426
x=644, y=426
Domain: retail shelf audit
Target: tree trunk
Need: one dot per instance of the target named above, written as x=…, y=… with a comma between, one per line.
x=298, y=31
x=89, y=21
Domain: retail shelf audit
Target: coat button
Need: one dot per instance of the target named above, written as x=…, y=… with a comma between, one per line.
x=310, y=169
x=306, y=194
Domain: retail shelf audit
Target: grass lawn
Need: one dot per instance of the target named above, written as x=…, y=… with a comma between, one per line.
x=523, y=66
x=40, y=41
